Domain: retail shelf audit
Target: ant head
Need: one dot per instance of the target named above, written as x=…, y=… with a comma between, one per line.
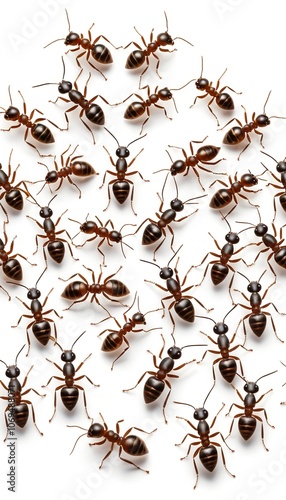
x=201, y=414
x=139, y=318
x=254, y=287
x=46, y=212
x=202, y=84
x=251, y=387
x=262, y=120
x=281, y=167
x=95, y=431
x=177, y=205
x=68, y=356
x=166, y=273
x=232, y=238
x=261, y=229
x=87, y=227
x=72, y=39
x=165, y=94
x=115, y=236
x=178, y=167
x=174, y=352
x=51, y=177
x=220, y=328
x=122, y=152
x=64, y=87
x=33, y=294
x=12, y=371
x=12, y=113
x=165, y=39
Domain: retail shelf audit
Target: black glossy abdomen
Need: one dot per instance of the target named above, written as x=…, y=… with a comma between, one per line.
x=152, y=233
x=135, y=59
x=101, y=54
x=218, y=273
x=234, y=136
x=280, y=257
x=42, y=331
x=228, y=369
x=12, y=268
x=42, y=133
x=115, y=288
x=134, y=110
x=56, y=250
x=121, y=191
x=208, y=457
x=257, y=323
x=14, y=199
x=75, y=290
x=112, y=342
x=221, y=199
x=21, y=414
x=225, y=101
x=69, y=397
x=185, y=309
x=153, y=388
x=246, y=427
x=134, y=446
x=95, y=114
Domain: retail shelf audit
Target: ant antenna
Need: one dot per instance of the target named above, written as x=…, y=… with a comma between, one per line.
x=142, y=260
x=174, y=255
x=185, y=85
x=205, y=317
x=229, y=312
x=138, y=138
x=194, y=345
x=79, y=436
x=196, y=198
x=266, y=102
x=112, y=136
x=69, y=26
x=40, y=277
x=52, y=199
x=208, y=394
x=244, y=276
x=77, y=339
x=269, y=157
x=186, y=404
x=9, y=92
x=167, y=23
x=19, y=353
x=271, y=373
x=8, y=367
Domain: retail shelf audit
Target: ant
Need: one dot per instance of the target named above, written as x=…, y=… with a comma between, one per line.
x=207, y=450
x=131, y=444
x=227, y=362
x=137, y=109
x=11, y=266
x=281, y=169
x=54, y=244
x=79, y=290
x=222, y=99
x=220, y=269
x=155, y=230
x=121, y=185
x=257, y=317
x=270, y=241
x=225, y=196
x=155, y=384
x=38, y=131
x=100, y=53
x=70, y=389
x=13, y=194
x=247, y=419
x=93, y=112
x=71, y=166
x=115, y=339
x=17, y=407
x=237, y=134
x=41, y=327
x=138, y=57
x=203, y=155
x=181, y=302
x=91, y=227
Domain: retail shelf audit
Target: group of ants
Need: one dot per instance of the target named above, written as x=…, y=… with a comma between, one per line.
x=72, y=166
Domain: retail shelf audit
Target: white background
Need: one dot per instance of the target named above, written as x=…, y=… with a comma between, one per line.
x=247, y=38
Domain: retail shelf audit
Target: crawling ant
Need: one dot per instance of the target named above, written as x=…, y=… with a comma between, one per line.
x=92, y=111
x=226, y=362
x=207, y=450
x=54, y=244
x=270, y=241
x=38, y=131
x=225, y=196
x=17, y=406
x=247, y=419
x=281, y=169
x=121, y=185
x=220, y=268
x=79, y=290
x=139, y=108
x=138, y=57
x=156, y=229
x=41, y=326
x=115, y=339
x=100, y=231
x=131, y=444
x=13, y=194
x=222, y=99
x=71, y=166
x=237, y=134
x=11, y=266
x=70, y=388
x=203, y=155
x=257, y=317
x=100, y=53
x=181, y=302
x=156, y=383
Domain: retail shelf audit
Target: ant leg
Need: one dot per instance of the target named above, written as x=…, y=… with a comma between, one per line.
x=84, y=399
x=55, y=398
x=198, y=97
x=129, y=462
x=230, y=121
x=121, y=354
x=33, y=414
x=145, y=121
x=223, y=457
x=140, y=379
x=164, y=109
x=87, y=126
x=212, y=112
x=232, y=90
